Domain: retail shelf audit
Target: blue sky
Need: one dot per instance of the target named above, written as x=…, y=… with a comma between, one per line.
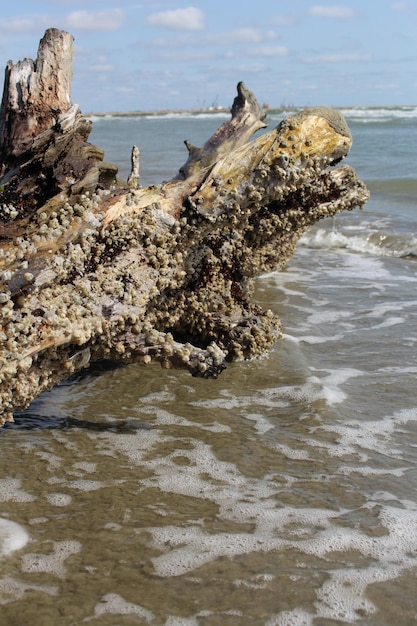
x=169, y=54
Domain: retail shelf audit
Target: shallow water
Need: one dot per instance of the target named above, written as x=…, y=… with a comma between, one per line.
x=283, y=493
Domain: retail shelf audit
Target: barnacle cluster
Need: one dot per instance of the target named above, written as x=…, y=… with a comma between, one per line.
x=74, y=292
x=81, y=281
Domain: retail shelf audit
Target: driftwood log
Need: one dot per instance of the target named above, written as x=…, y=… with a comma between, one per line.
x=93, y=267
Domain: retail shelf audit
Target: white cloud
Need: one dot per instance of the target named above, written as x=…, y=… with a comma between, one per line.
x=332, y=11
x=123, y=90
x=22, y=25
x=227, y=38
x=102, y=68
x=178, y=19
x=182, y=40
x=110, y=19
x=272, y=51
x=339, y=58
x=250, y=68
x=402, y=7
x=282, y=20
x=183, y=56
x=238, y=36
x=17, y=25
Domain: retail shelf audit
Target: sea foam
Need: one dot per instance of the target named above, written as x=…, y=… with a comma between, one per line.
x=374, y=244
x=12, y=537
x=114, y=604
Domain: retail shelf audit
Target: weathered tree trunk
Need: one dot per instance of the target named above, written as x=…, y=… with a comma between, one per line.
x=93, y=267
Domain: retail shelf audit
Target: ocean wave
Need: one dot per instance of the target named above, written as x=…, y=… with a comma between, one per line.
x=187, y=115
x=382, y=114
x=171, y=115
x=358, y=114
x=379, y=244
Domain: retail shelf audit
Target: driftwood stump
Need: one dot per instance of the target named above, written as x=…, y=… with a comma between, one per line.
x=92, y=267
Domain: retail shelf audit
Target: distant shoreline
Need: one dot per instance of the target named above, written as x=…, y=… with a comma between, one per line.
x=159, y=112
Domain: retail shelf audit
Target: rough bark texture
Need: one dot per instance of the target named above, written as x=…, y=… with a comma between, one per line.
x=92, y=267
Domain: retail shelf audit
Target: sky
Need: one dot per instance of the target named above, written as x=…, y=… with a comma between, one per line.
x=171, y=54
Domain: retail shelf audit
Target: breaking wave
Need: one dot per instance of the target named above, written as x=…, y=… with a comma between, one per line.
x=379, y=114
x=379, y=244
x=359, y=114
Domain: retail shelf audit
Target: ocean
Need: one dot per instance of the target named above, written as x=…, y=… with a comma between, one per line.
x=281, y=494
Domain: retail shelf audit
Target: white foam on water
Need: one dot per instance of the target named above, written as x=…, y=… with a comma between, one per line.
x=312, y=339
x=186, y=115
x=261, y=581
x=187, y=480
x=11, y=491
x=380, y=310
x=113, y=526
x=366, y=470
x=331, y=385
x=375, y=436
x=135, y=448
x=343, y=595
x=167, y=418
x=379, y=114
x=363, y=243
x=174, y=620
x=12, y=590
x=192, y=548
x=366, y=269
x=224, y=402
x=51, y=563
x=86, y=485
x=261, y=425
x=366, y=266
x=157, y=397
x=297, y=617
x=54, y=461
x=365, y=441
x=399, y=370
x=327, y=388
x=38, y=520
x=310, y=531
x=390, y=321
x=274, y=528
x=12, y=537
x=227, y=401
x=328, y=316
x=195, y=620
x=59, y=499
x=291, y=453
x=85, y=466
x=241, y=499
x=114, y=604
